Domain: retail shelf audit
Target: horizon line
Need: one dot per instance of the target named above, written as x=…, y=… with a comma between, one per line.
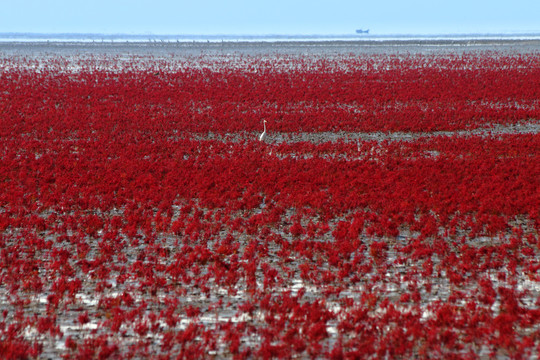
x=352, y=33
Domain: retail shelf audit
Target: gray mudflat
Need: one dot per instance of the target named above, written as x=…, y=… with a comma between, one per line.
x=359, y=47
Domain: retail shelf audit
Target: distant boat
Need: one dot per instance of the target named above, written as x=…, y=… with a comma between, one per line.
x=360, y=31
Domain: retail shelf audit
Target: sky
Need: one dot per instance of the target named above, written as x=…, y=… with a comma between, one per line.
x=266, y=17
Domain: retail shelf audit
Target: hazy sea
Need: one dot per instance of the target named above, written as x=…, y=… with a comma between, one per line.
x=72, y=37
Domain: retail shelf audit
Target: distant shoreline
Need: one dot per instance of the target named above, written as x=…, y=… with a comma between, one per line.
x=19, y=36
x=484, y=41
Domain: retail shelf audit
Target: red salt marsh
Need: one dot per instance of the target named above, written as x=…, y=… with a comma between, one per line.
x=392, y=210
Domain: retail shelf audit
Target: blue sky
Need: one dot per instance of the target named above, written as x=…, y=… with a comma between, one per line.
x=269, y=17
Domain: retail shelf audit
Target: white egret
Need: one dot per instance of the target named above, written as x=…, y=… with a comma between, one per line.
x=263, y=135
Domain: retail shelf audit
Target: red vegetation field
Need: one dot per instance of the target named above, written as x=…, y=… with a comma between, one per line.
x=392, y=210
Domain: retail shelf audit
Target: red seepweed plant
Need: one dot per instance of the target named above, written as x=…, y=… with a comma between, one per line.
x=391, y=211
